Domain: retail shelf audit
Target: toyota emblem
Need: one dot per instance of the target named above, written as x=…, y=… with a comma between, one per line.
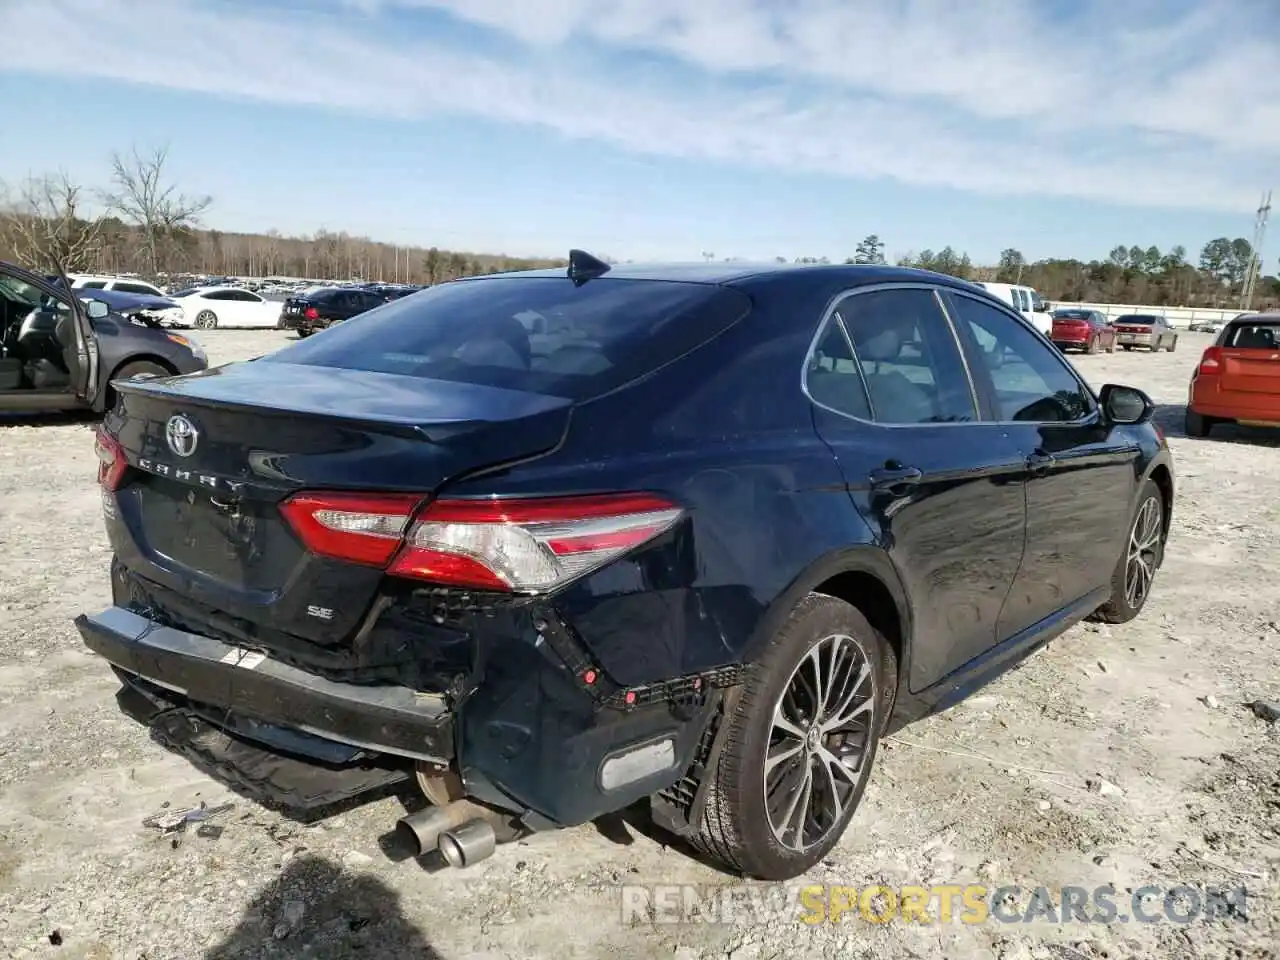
x=182, y=435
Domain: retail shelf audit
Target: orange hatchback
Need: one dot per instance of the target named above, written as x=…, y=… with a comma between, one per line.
x=1238, y=379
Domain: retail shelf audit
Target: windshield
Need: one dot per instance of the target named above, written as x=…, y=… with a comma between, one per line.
x=541, y=334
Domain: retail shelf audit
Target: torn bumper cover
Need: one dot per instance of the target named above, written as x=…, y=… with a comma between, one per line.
x=384, y=718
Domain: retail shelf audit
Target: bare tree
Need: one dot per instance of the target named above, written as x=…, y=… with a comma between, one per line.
x=164, y=216
x=44, y=222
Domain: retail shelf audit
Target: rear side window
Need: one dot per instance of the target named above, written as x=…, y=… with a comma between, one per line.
x=908, y=357
x=94, y=285
x=540, y=334
x=1252, y=336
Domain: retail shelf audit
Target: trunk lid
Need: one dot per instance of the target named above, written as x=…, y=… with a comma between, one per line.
x=1250, y=370
x=213, y=454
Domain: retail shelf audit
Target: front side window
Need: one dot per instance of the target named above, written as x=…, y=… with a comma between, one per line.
x=912, y=372
x=1029, y=380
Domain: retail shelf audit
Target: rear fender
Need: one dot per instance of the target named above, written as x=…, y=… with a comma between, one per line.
x=862, y=558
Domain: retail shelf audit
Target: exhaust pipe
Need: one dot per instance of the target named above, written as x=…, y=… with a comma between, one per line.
x=422, y=830
x=469, y=843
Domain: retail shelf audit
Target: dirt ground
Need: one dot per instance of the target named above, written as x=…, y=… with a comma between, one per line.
x=996, y=791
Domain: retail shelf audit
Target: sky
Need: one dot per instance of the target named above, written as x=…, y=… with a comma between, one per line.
x=666, y=129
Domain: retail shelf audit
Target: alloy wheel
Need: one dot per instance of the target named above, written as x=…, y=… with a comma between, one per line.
x=1144, y=546
x=819, y=739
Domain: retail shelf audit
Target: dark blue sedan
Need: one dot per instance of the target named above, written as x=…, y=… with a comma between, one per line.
x=552, y=543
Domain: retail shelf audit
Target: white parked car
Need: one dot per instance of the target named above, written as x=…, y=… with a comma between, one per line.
x=1026, y=301
x=119, y=284
x=209, y=307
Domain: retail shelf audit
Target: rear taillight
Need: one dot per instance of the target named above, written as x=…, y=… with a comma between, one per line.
x=311, y=313
x=1211, y=361
x=520, y=545
x=361, y=528
x=112, y=464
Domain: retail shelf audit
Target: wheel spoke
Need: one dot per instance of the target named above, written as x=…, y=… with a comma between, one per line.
x=798, y=810
x=841, y=714
x=834, y=764
x=819, y=687
x=787, y=753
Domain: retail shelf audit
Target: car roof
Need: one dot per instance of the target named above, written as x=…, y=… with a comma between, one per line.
x=732, y=272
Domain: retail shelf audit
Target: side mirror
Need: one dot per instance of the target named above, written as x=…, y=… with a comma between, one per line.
x=96, y=309
x=1125, y=404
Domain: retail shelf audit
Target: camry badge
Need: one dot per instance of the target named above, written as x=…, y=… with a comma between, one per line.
x=182, y=435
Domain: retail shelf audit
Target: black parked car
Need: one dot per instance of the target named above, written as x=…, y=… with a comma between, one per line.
x=321, y=307
x=60, y=351
x=558, y=544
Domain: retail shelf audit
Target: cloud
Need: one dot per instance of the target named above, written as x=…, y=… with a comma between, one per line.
x=1151, y=102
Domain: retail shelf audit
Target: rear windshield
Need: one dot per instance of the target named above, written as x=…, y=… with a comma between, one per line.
x=540, y=334
x=1071, y=314
x=1258, y=335
x=1136, y=320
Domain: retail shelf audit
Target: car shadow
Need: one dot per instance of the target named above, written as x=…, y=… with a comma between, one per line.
x=64, y=418
x=1169, y=418
x=315, y=908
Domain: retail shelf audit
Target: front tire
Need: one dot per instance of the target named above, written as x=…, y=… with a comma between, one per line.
x=801, y=743
x=1143, y=553
x=1173, y=345
x=1093, y=346
x=207, y=320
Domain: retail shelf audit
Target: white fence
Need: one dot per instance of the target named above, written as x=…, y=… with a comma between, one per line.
x=1177, y=316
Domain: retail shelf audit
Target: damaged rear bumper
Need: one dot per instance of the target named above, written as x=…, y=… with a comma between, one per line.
x=383, y=718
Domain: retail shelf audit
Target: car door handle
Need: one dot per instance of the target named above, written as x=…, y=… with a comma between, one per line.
x=1040, y=463
x=893, y=478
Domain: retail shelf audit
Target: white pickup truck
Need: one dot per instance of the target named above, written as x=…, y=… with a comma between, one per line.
x=1026, y=301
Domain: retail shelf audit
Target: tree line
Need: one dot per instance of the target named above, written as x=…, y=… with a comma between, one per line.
x=142, y=223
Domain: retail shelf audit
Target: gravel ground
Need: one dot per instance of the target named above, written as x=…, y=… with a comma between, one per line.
x=996, y=791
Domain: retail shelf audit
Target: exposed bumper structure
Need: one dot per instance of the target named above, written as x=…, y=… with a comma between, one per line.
x=387, y=719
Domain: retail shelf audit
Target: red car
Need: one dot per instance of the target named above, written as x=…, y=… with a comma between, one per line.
x=1238, y=379
x=1086, y=330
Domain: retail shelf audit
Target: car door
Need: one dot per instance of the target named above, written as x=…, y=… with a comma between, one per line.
x=942, y=491
x=74, y=331
x=256, y=309
x=1081, y=476
x=239, y=308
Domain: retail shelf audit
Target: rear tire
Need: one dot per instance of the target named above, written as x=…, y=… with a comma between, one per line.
x=1143, y=552
x=1111, y=345
x=1196, y=424
x=795, y=763
x=1173, y=345
x=1093, y=346
x=1128, y=346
